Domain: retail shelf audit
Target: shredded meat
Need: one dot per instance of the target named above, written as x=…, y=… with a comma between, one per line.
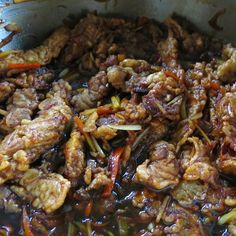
x=196, y=163
x=227, y=69
x=44, y=191
x=27, y=142
x=42, y=54
x=97, y=90
x=75, y=157
x=165, y=98
x=38, y=79
x=161, y=170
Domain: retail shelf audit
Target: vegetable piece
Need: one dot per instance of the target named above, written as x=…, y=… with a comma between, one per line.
x=3, y=112
x=24, y=66
x=26, y=224
x=123, y=225
x=228, y=217
x=203, y=134
x=88, y=138
x=98, y=148
x=8, y=52
x=104, y=110
x=171, y=74
x=89, y=228
x=88, y=208
x=115, y=100
x=113, y=165
x=71, y=230
x=126, y=127
x=109, y=233
x=215, y=86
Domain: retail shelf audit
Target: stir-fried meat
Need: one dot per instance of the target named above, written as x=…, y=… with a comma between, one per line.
x=6, y=89
x=8, y=200
x=96, y=91
x=227, y=69
x=161, y=170
x=42, y=54
x=196, y=163
x=100, y=179
x=165, y=98
x=189, y=192
x=38, y=79
x=28, y=141
x=45, y=191
x=20, y=107
x=75, y=157
x=181, y=221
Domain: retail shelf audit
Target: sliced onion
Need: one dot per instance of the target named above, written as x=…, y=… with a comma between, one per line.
x=126, y=127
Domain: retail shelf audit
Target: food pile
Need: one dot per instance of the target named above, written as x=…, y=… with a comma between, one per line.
x=119, y=127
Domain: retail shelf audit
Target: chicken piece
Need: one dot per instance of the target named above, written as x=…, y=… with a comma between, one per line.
x=181, y=221
x=227, y=69
x=96, y=91
x=168, y=50
x=165, y=98
x=75, y=157
x=6, y=89
x=99, y=180
x=161, y=170
x=187, y=193
x=223, y=114
x=28, y=141
x=43, y=54
x=104, y=132
x=44, y=191
x=196, y=163
x=38, y=79
x=20, y=107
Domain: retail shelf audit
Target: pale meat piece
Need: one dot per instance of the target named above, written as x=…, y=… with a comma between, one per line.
x=42, y=54
x=21, y=106
x=44, y=191
x=74, y=156
x=161, y=169
x=196, y=163
x=97, y=89
x=28, y=141
x=6, y=89
x=227, y=69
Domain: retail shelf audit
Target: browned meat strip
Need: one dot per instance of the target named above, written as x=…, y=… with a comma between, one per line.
x=75, y=157
x=165, y=98
x=6, y=89
x=196, y=163
x=161, y=170
x=38, y=79
x=44, y=191
x=20, y=107
x=43, y=54
x=97, y=90
x=29, y=141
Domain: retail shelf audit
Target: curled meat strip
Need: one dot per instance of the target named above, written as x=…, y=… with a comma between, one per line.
x=75, y=157
x=96, y=91
x=28, y=141
x=196, y=163
x=42, y=54
x=161, y=169
x=44, y=191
